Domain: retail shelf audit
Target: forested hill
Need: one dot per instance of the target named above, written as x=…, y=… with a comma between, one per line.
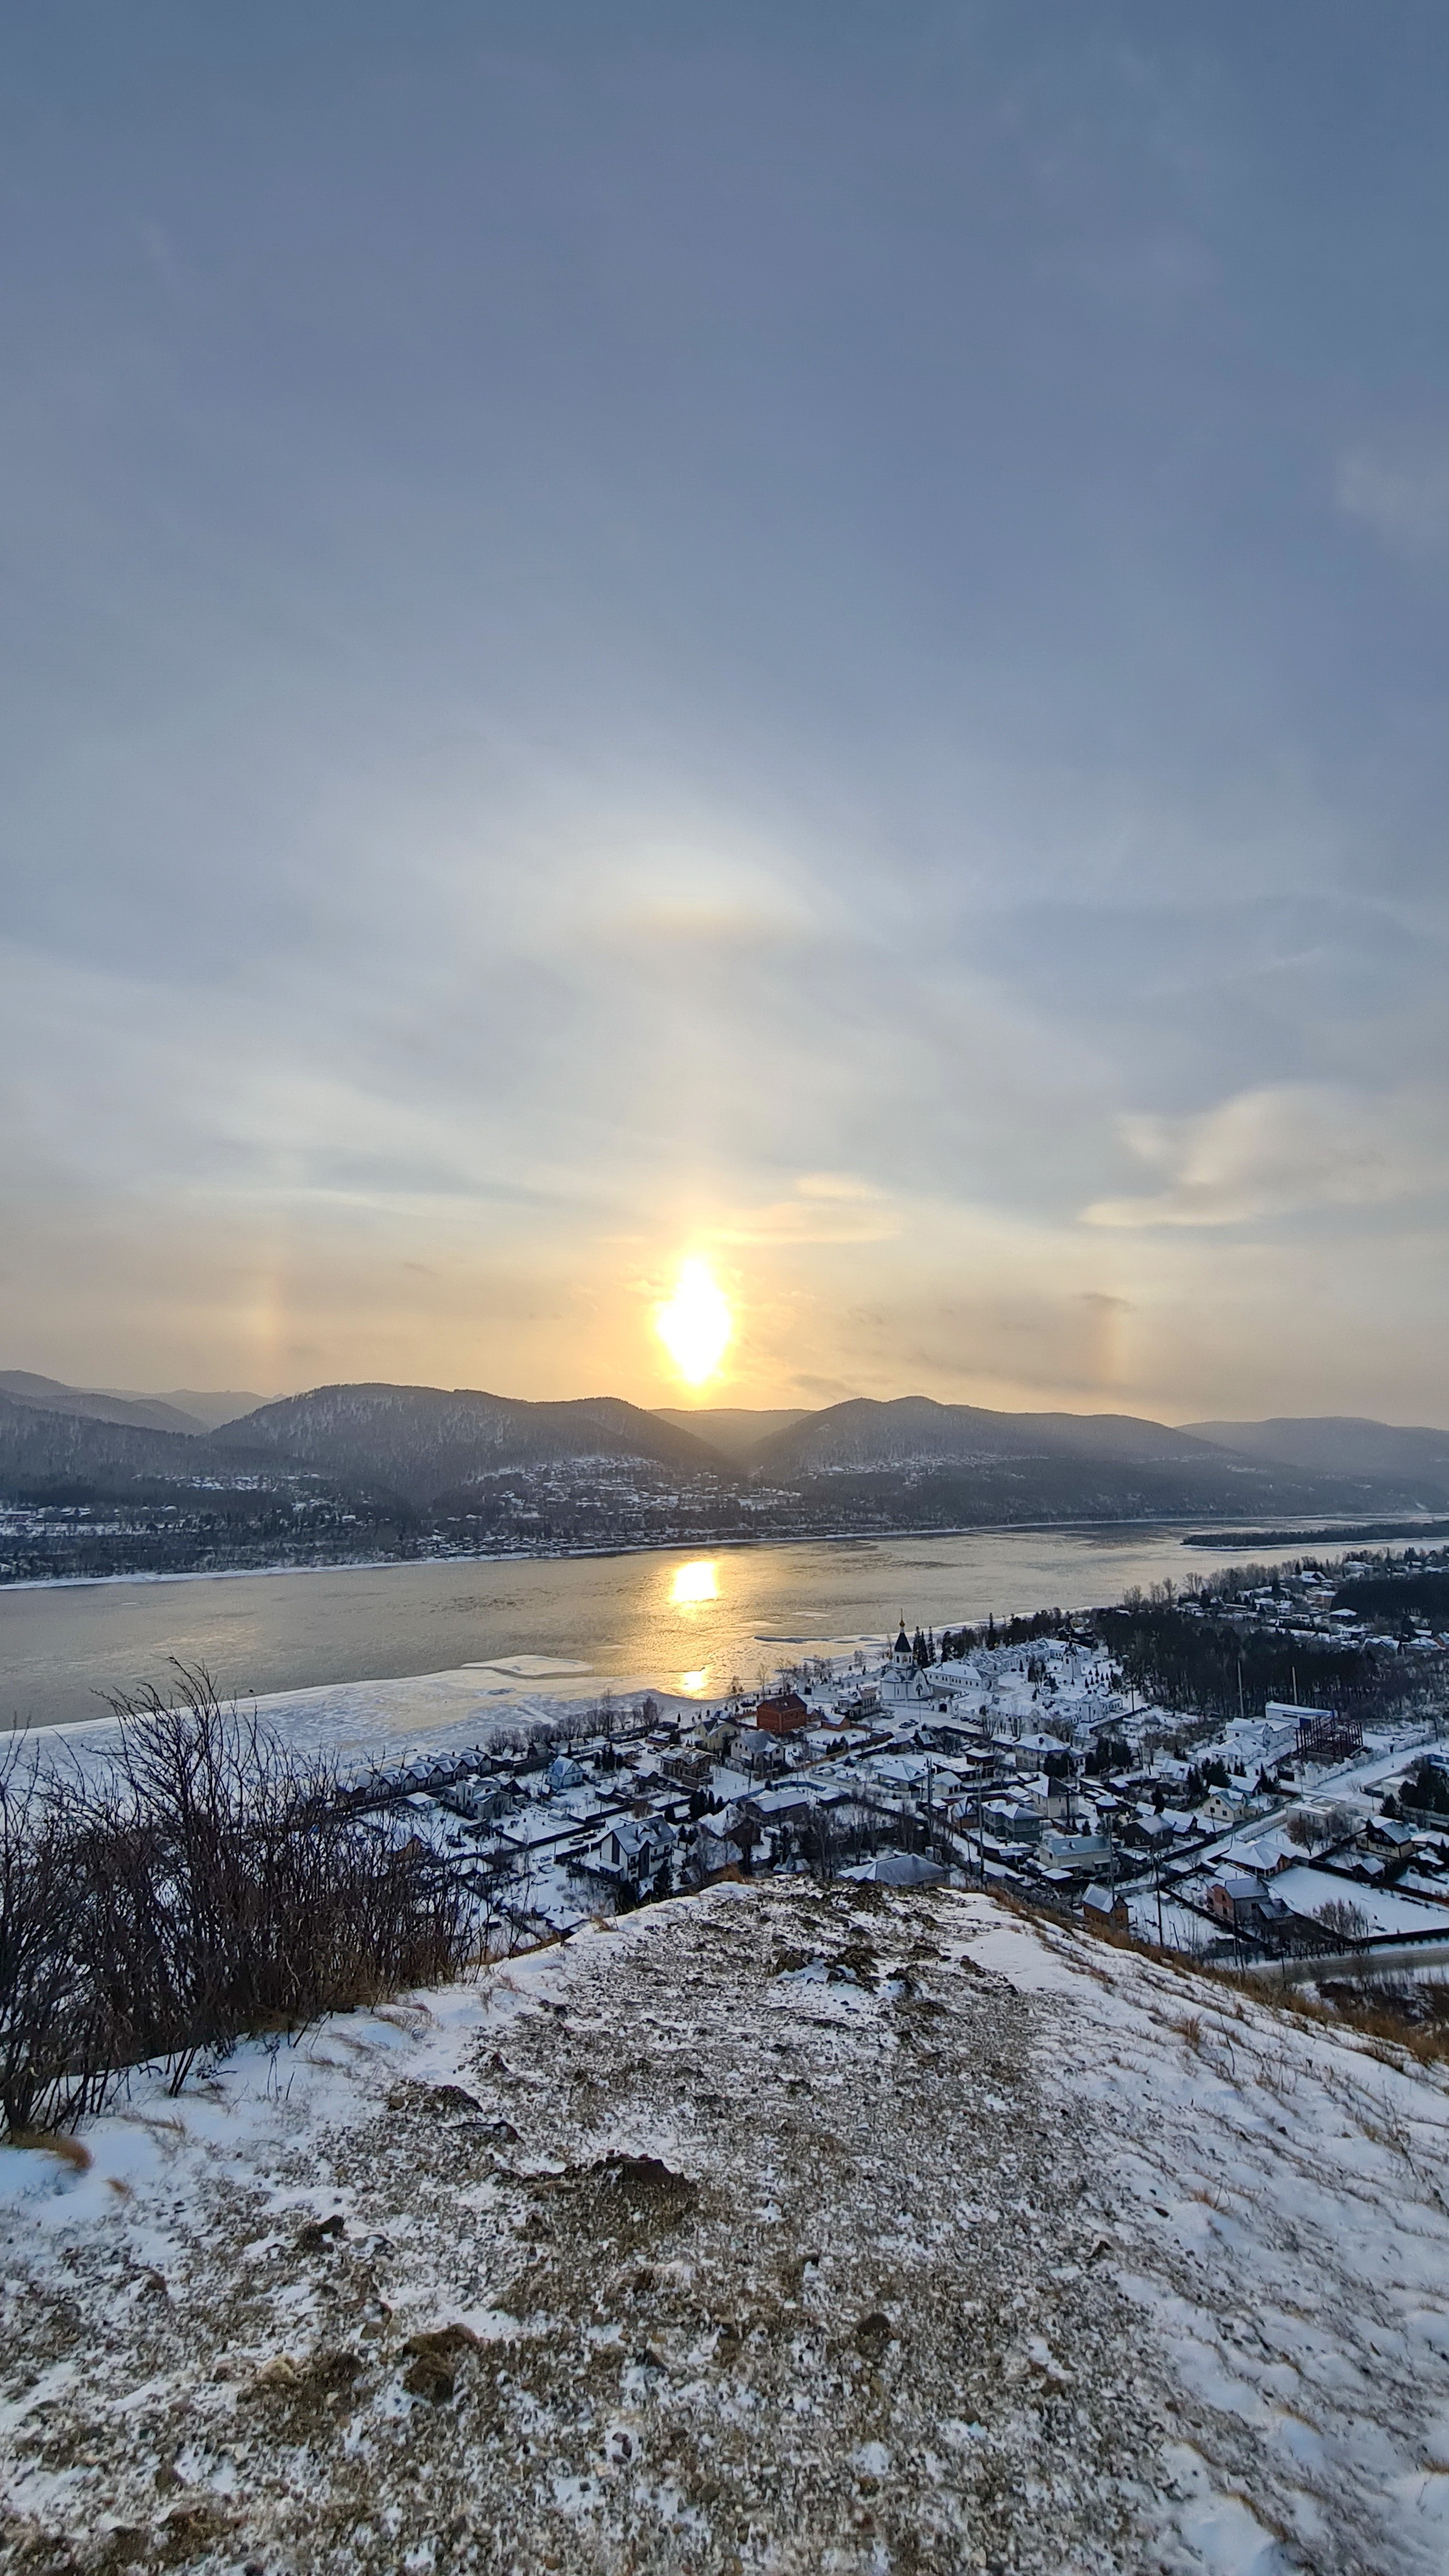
x=45, y=1454
x=922, y=1464
x=425, y=1442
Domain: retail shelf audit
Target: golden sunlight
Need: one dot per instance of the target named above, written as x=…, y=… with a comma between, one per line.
x=697, y=1582
x=695, y=1324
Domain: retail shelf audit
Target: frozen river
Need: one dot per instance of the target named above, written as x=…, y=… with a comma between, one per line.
x=680, y=1621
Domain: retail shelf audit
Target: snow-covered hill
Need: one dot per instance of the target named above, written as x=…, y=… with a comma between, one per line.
x=775, y=2229
x=426, y=1442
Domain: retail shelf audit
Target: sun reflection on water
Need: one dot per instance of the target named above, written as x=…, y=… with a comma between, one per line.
x=696, y=1582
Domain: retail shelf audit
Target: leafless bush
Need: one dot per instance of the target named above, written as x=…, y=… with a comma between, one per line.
x=51, y=2021
x=206, y=1885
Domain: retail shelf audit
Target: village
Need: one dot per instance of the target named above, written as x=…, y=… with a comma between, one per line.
x=1288, y=1833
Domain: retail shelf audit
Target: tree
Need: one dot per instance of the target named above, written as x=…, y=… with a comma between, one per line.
x=746, y=1832
x=1309, y=1830
x=1428, y=1790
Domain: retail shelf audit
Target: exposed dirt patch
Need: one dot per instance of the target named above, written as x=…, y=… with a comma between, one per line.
x=687, y=2262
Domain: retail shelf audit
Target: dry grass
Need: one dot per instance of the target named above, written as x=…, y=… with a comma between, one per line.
x=1387, y=2034
x=51, y=2143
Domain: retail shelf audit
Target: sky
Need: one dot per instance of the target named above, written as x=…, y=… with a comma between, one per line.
x=807, y=639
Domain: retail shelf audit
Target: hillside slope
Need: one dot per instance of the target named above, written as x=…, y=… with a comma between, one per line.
x=426, y=1442
x=775, y=2229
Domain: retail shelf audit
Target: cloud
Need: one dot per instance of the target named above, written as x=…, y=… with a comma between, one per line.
x=828, y=1207
x=1281, y=1149
x=1404, y=501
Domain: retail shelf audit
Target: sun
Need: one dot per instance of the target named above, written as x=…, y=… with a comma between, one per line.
x=695, y=1324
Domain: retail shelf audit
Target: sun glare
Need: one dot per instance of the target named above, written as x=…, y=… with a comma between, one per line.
x=697, y=1582
x=695, y=1324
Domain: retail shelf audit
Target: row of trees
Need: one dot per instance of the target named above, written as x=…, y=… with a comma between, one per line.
x=202, y=1885
x=1214, y=1668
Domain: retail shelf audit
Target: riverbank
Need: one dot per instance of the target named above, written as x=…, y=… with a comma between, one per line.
x=1193, y=1535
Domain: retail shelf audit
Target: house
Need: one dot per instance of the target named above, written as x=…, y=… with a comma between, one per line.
x=787, y=1806
x=785, y=1714
x=632, y=1851
x=1244, y=1905
x=1264, y=1854
x=1233, y=1900
x=1222, y=1806
x=688, y=1770
x=1081, y=1851
x=1102, y=1906
x=898, y=1869
x=758, y=1750
x=1014, y=1824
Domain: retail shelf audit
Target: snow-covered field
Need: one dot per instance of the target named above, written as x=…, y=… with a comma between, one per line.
x=776, y=2228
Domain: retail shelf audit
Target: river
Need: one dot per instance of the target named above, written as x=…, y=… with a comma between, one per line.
x=682, y=1621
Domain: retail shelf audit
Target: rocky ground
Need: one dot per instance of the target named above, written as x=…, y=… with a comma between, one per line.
x=777, y=2229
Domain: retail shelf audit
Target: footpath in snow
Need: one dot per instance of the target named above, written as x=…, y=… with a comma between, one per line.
x=775, y=2228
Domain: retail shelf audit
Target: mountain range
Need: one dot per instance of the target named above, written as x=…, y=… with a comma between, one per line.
x=908, y=1463
x=184, y=1409
x=1337, y=1444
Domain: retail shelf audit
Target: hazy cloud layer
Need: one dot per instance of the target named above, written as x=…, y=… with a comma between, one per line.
x=815, y=635
x=1272, y=1152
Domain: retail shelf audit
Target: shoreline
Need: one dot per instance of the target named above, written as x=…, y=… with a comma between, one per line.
x=1190, y=1523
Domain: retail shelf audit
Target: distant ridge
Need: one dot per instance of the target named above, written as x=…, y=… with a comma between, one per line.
x=914, y=1430
x=210, y=1406
x=736, y=1429
x=44, y=1452
x=405, y=1467
x=94, y=1404
x=1342, y=1444
x=916, y=1463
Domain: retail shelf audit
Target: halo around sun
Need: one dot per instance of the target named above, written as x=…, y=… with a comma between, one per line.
x=695, y=1324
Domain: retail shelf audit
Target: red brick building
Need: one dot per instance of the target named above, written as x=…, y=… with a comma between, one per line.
x=785, y=1714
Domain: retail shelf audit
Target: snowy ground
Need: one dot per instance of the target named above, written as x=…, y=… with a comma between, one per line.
x=772, y=2229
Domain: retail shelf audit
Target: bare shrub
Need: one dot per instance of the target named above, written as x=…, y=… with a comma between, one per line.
x=51, y=2022
x=207, y=1885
